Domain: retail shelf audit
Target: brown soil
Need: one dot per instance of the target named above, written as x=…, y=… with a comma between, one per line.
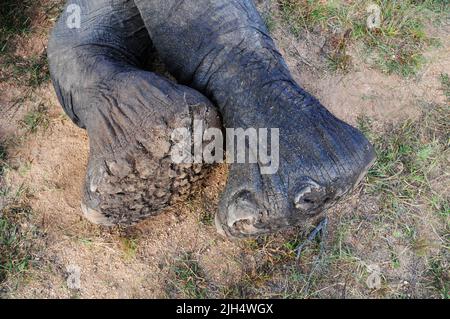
x=138, y=262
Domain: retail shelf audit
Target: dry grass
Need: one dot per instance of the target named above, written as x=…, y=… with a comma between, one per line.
x=388, y=240
x=397, y=226
x=187, y=279
x=395, y=46
x=17, y=235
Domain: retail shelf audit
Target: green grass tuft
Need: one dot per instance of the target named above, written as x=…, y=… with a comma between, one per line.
x=15, y=250
x=396, y=46
x=189, y=280
x=36, y=118
x=14, y=20
x=16, y=235
x=33, y=72
x=270, y=22
x=409, y=155
x=3, y=155
x=440, y=275
x=129, y=247
x=445, y=83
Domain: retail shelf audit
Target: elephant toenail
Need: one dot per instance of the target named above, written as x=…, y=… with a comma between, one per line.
x=310, y=196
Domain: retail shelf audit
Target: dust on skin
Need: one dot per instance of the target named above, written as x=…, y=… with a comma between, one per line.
x=56, y=159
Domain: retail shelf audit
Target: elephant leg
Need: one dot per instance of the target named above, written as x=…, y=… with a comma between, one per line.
x=223, y=49
x=129, y=113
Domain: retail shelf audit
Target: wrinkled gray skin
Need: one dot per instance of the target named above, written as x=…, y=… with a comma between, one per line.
x=222, y=49
x=129, y=113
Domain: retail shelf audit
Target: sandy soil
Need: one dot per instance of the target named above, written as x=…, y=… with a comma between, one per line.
x=137, y=262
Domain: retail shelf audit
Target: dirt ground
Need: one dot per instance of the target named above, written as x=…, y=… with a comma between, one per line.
x=179, y=253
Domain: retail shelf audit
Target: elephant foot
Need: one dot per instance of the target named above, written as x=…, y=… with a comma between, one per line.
x=130, y=114
x=319, y=159
x=223, y=49
x=132, y=174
